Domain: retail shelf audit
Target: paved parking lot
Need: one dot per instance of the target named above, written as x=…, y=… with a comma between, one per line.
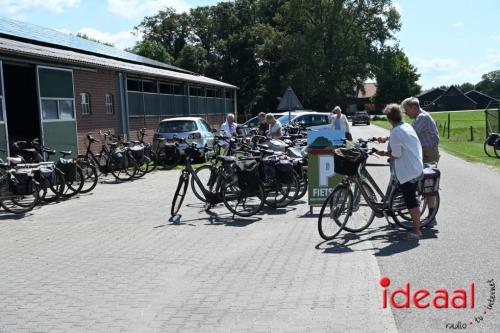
x=111, y=261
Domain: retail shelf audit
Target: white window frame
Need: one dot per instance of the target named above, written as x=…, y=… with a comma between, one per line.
x=58, y=100
x=108, y=103
x=85, y=105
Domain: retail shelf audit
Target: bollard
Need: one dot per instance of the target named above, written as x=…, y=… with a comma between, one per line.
x=471, y=133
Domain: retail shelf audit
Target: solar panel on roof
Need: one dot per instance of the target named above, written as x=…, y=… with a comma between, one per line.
x=43, y=35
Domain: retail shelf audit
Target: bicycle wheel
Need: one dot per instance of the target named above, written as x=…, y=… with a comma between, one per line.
x=90, y=176
x=22, y=204
x=303, y=187
x=496, y=148
x=401, y=215
x=206, y=173
x=242, y=202
x=488, y=148
x=180, y=194
x=335, y=212
x=275, y=193
x=56, y=183
x=289, y=191
x=362, y=214
x=142, y=167
x=74, y=186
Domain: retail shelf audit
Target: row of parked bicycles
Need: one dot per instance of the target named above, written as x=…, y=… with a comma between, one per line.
x=246, y=173
x=37, y=174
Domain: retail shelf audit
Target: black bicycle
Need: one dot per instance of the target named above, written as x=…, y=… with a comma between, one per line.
x=492, y=145
x=19, y=192
x=229, y=185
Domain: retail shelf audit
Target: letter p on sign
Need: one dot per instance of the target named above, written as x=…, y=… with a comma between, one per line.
x=326, y=169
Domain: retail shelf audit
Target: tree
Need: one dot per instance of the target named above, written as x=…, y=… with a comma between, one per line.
x=466, y=86
x=323, y=48
x=151, y=49
x=85, y=36
x=396, y=77
x=490, y=83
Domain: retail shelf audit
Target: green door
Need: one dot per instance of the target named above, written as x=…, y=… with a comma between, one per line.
x=4, y=138
x=57, y=108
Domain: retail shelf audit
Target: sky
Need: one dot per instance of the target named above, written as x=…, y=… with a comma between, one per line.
x=448, y=41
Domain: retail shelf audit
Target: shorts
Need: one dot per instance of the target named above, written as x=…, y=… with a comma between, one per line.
x=409, y=190
x=431, y=154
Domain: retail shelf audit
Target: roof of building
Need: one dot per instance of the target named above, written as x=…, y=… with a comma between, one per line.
x=31, y=50
x=370, y=89
x=454, y=91
x=473, y=93
x=423, y=93
x=24, y=31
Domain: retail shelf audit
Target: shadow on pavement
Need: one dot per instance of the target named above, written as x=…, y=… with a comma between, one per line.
x=394, y=238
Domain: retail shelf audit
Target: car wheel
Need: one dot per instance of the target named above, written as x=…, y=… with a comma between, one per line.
x=353, y=124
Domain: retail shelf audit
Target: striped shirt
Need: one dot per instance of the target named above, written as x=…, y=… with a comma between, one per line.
x=426, y=129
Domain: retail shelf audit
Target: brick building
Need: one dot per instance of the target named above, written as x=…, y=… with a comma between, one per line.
x=59, y=87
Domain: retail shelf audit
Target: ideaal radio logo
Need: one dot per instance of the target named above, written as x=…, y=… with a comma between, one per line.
x=462, y=298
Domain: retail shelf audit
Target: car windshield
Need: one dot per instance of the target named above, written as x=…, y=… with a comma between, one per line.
x=360, y=113
x=284, y=119
x=177, y=126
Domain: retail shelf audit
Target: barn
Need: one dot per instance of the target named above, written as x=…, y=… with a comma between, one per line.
x=58, y=87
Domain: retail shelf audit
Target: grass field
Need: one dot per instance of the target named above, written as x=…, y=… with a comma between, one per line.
x=459, y=143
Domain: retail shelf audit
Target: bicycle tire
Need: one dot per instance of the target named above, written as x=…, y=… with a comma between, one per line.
x=403, y=219
x=75, y=186
x=23, y=208
x=142, y=167
x=90, y=176
x=178, y=196
x=496, y=148
x=292, y=191
x=242, y=196
x=304, y=183
x=56, y=186
x=485, y=147
x=342, y=196
x=358, y=196
x=194, y=185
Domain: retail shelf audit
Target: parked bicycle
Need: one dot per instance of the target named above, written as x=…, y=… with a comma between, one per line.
x=232, y=184
x=357, y=200
x=492, y=145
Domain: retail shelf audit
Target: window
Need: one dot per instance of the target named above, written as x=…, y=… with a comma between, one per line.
x=56, y=93
x=57, y=109
x=109, y=104
x=149, y=86
x=206, y=125
x=196, y=91
x=85, y=103
x=134, y=85
x=210, y=93
x=166, y=88
x=177, y=126
x=319, y=120
x=229, y=94
x=49, y=109
x=178, y=89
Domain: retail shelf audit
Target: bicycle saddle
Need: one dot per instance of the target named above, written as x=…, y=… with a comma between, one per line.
x=113, y=144
x=50, y=151
x=14, y=160
x=226, y=159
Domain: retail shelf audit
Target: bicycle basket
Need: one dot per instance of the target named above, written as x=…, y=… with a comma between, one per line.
x=492, y=138
x=248, y=175
x=22, y=182
x=138, y=153
x=428, y=186
x=120, y=159
x=284, y=170
x=68, y=167
x=347, y=161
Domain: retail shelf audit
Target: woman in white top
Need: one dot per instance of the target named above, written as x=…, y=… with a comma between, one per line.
x=406, y=153
x=274, y=127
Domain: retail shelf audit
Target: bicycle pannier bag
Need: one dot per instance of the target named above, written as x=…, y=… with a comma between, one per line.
x=428, y=186
x=347, y=161
x=492, y=139
x=284, y=169
x=248, y=175
x=138, y=153
x=277, y=145
x=120, y=159
x=68, y=167
x=22, y=183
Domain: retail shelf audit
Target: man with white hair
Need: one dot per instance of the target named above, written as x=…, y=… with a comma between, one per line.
x=228, y=128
